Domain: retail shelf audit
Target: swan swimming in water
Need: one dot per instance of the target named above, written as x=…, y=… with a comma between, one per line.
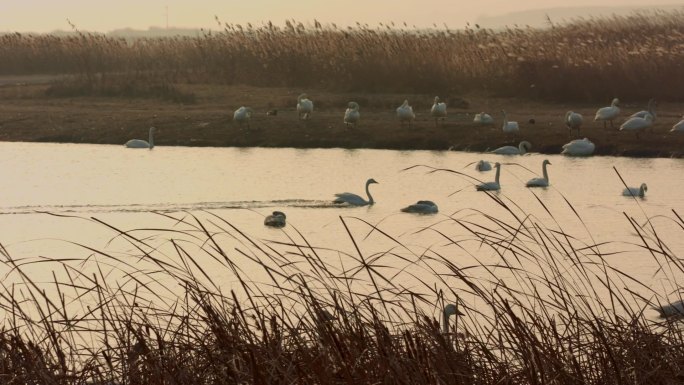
x=679, y=127
x=139, y=143
x=650, y=110
x=637, y=124
x=540, y=182
x=522, y=148
x=438, y=111
x=675, y=309
x=579, y=147
x=352, y=114
x=573, y=121
x=449, y=310
x=277, y=219
x=421, y=207
x=354, y=199
x=635, y=191
x=509, y=127
x=491, y=186
x=483, y=165
x=405, y=113
x=483, y=119
x=304, y=106
x=608, y=113
x=243, y=115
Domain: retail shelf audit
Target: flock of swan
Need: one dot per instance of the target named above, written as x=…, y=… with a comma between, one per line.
x=573, y=120
x=406, y=115
x=636, y=123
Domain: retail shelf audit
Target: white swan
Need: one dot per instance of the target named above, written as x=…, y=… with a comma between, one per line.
x=448, y=311
x=483, y=165
x=352, y=114
x=637, y=124
x=573, y=121
x=679, y=127
x=438, y=111
x=242, y=115
x=579, y=147
x=277, y=219
x=635, y=191
x=304, y=106
x=139, y=143
x=672, y=309
x=509, y=127
x=543, y=181
x=522, y=148
x=421, y=207
x=483, y=119
x=491, y=186
x=650, y=110
x=405, y=113
x=607, y=114
x=354, y=199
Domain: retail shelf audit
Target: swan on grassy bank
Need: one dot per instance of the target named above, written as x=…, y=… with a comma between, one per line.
x=579, y=147
x=139, y=143
x=438, y=111
x=405, y=113
x=352, y=114
x=421, y=207
x=304, y=106
x=637, y=124
x=509, y=127
x=243, y=115
x=649, y=110
x=607, y=114
x=679, y=127
x=573, y=121
x=522, y=148
x=635, y=191
x=276, y=219
x=483, y=119
x=491, y=186
x=355, y=200
x=544, y=180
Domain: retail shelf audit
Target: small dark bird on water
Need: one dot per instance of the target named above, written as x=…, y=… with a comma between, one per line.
x=531, y=121
x=272, y=112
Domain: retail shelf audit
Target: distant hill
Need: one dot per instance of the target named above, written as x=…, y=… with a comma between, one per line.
x=539, y=17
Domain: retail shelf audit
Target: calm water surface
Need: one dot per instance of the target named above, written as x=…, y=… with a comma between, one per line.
x=122, y=187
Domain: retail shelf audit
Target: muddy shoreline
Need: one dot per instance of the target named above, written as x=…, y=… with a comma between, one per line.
x=26, y=114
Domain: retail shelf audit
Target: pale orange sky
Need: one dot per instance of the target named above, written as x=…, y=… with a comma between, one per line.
x=103, y=16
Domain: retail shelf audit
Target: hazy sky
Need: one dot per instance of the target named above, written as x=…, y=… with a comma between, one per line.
x=100, y=15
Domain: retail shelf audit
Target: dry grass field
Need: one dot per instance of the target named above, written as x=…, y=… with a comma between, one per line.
x=97, y=89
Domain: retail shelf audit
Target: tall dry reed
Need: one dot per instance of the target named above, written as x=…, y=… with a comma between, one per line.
x=635, y=57
x=550, y=309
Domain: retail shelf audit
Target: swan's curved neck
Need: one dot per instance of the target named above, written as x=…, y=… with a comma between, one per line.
x=522, y=148
x=151, y=138
x=445, y=323
x=546, y=175
x=505, y=120
x=370, y=197
x=498, y=172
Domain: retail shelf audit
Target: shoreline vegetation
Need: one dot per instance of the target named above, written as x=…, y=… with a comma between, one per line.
x=547, y=309
x=89, y=88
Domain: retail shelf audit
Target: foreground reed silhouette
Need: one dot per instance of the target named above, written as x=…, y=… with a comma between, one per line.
x=155, y=312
